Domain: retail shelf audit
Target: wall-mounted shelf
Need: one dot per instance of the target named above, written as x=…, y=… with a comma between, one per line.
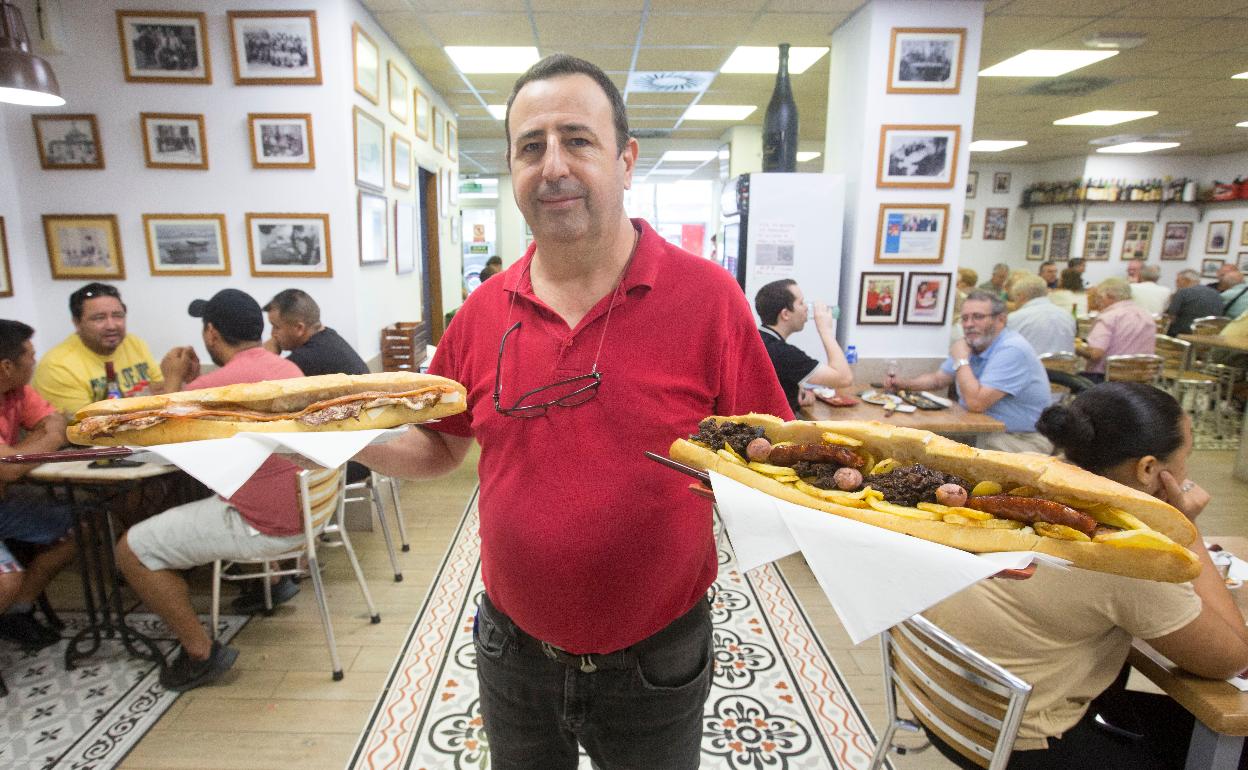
x=1079, y=209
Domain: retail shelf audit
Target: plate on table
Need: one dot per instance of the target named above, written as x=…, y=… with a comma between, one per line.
x=829, y=397
x=920, y=400
x=889, y=401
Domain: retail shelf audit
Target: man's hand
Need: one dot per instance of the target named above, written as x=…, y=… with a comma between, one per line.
x=179, y=366
x=271, y=345
x=824, y=322
x=959, y=349
x=893, y=383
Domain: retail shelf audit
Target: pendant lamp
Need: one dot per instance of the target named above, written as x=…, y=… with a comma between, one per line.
x=24, y=77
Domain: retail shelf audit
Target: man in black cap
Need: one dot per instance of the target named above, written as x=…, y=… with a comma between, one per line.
x=261, y=518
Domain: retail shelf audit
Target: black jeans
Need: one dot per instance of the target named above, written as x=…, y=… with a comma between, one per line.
x=641, y=710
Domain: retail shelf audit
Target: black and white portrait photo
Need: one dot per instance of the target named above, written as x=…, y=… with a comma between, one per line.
x=289, y=245
x=275, y=47
x=68, y=141
x=918, y=156
x=82, y=246
x=174, y=141
x=164, y=48
x=281, y=141
x=187, y=244
x=926, y=61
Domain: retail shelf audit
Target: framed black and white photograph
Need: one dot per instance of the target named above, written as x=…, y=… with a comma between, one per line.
x=1037, y=237
x=174, y=141
x=406, y=237
x=164, y=47
x=281, y=140
x=972, y=184
x=422, y=114
x=968, y=223
x=83, y=246
x=911, y=233
x=452, y=141
x=1001, y=183
x=275, y=48
x=1218, y=237
x=1137, y=241
x=400, y=162
x=1098, y=237
x=926, y=61
x=68, y=142
x=6, y=278
x=918, y=156
x=996, y=223
x=1174, y=241
x=1241, y=259
x=370, y=147
x=187, y=244
x=879, y=298
x=373, y=243
x=289, y=246
x=1060, y=235
x=1209, y=267
x=439, y=130
x=365, y=64
x=397, y=82
x=927, y=298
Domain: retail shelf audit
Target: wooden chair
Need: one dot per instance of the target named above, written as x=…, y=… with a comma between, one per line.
x=1141, y=367
x=1210, y=324
x=971, y=703
x=1083, y=325
x=403, y=346
x=1061, y=361
x=1163, y=322
x=322, y=499
x=1197, y=392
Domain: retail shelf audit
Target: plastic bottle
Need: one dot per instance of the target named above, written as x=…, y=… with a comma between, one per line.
x=1189, y=191
x=111, y=388
x=851, y=354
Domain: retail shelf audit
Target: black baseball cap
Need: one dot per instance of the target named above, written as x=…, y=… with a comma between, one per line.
x=234, y=313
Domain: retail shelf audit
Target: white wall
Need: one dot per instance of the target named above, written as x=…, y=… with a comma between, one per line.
x=978, y=254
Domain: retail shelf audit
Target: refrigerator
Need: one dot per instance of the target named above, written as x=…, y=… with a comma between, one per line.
x=785, y=225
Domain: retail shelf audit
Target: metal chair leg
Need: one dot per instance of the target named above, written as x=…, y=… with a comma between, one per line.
x=380, y=509
x=398, y=513
x=268, y=588
x=373, y=615
x=319, y=588
x=216, y=599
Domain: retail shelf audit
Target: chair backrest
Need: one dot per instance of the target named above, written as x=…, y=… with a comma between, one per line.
x=1140, y=367
x=1176, y=354
x=1163, y=322
x=1061, y=361
x=1083, y=325
x=320, y=496
x=973, y=704
x=1210, y=324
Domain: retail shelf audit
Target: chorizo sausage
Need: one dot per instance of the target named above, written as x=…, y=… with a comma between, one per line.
x=815, y=453
x=1033, y=509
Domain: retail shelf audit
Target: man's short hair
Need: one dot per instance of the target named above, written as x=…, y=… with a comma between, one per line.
x=1150, y=272
x=1046, y=263
x=1189, y=275
x=91, y=291
x=13, y=336
x=1000, y=266
x=772, y=298
x=983, y=295
x=1075, y=262
x=295, y=305
x=1114, y=288
x=1029, y=288
x=496, y=261
x=558, y=65
x=1070, y=280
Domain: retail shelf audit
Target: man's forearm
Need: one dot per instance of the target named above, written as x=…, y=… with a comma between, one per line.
x=417, y=454
x=926, y=381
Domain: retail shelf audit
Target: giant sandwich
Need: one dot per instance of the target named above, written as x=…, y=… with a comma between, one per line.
x=921, y=484
x=326, y=402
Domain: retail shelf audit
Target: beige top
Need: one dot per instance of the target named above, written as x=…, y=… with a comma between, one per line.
x=1066, y=633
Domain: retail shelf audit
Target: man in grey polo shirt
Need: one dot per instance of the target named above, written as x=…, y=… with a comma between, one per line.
x=1046, y=327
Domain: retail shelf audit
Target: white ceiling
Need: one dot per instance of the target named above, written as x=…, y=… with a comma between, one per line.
x=1182, y=70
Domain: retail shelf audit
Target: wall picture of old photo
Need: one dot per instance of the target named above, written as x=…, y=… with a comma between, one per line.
x=164, y=47
x=187, y=244
x=1059, y=240
x=996, y=223
x=370, y=143
x=373, y=242
x=275, y=48
x=925, y=61
x=281, y=140
x=918, y=156
x=83, y=246
x=289, y=245
x=911, y=233
x=68, y=142
x=6, y=278
x=1174, y=240
x=174, y=141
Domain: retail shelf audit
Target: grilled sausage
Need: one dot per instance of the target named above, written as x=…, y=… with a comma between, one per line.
x=1033, y=509
x=815, y=453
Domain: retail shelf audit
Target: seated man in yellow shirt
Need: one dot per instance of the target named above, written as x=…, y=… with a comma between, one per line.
x=73, y=374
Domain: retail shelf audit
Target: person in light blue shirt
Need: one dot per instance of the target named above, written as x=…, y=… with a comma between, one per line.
x=1234, y=299
x=1046, y=327
x=997, y=373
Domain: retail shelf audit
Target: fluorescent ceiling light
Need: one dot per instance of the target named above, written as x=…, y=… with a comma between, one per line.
x=1242, y=125
x=719, y=112
x=765, y=59
x=995, y=145
x=802, y=157
x=1240, y=76
x=1040, y=63
x=492, y=59
x=499, y=111
x=687, y=156
x=672, y=171
x=1137, y=147
x=1104, y=117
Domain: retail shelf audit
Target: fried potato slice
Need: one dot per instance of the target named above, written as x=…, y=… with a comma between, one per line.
x=989, y=523
x=1025, y=492
x=848, y=499
x=986, y=488
x=837, y=439
x=1138, y=539
x=902, y=510
x=731, y=456
x=884, y=466
x=771, y=470
x=1115, y=517
x=1060, y=532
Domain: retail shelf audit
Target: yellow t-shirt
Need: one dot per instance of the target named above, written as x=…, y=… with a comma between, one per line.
x=1064, y=632
x=71, y=375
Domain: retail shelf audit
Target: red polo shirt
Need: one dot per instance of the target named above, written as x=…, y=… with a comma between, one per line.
x=586, y=543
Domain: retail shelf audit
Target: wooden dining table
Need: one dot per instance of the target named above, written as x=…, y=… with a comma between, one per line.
x=1220, y=709
x=954, y=420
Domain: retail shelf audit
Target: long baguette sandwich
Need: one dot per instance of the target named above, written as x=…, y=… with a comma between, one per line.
x=327, y=402
x=917, y=483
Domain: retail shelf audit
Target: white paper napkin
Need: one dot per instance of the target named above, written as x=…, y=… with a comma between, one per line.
x=874, y=578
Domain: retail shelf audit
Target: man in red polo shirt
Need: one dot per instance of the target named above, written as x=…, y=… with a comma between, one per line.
x=602, y=342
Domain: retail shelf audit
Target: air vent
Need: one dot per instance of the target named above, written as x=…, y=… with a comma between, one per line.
x=651, y=133
x=669, y=82
x=1068, y=86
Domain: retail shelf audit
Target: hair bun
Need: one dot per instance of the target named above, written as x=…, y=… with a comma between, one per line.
x=1067, y=428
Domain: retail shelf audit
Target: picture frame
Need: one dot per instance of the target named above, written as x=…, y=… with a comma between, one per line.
x=911, y=233
x=83, y=246
x=281, y=140
x=879, y=296
x=927, y=298
x=396, y=83
x=968, y=224
x=996, y=223
x=439, y=130
x=289, y=245
x=1098, y=238
x=1243, y=233
x=174, y=140
x=365, y=64
x=422, y=113
x=914, y=156
x=187, y=244
x=400, y=162
x=406, y=237
x=1137, y=240
x=68, y=142
x=972, y=184
x=1001, y=183
x=452, y=141
x=1176, y=237
x=1241, y=259
x=452, y=186
x=370, y=143
x=6, y=277
x=164, y=47
x=1209, y=267
x=270, y=48
x=1060, y=235
x=1037, y=239
x=926, y=61
x=373, y=244
x=1218, y=237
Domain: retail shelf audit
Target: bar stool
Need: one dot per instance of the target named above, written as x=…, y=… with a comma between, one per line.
x=1197, y=392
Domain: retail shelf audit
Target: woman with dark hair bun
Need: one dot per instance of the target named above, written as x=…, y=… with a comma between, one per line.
x=1067, y=632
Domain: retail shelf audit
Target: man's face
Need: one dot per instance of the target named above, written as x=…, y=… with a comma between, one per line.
x=17, y=372
x=566, y=174
x=212, y=342
x=1049, y=273
x=797, y=316
x=1133, y=270
x=979, y=326
x=102, y=326
x=999, y=276
x=289, y=334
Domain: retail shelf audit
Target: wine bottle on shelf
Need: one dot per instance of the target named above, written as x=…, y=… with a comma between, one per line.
x=780, y=123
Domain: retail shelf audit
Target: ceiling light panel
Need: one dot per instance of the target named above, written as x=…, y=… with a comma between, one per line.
x=499, y=111
x=802, y=157
x=1041, y=63
x=492, y=59
x=719, y=112
x=1131, y=148
x=688, y=156
x=1104, y=117
x=765, y=60
x=995, y=145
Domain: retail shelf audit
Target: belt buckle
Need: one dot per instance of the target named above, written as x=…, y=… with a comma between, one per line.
x=554, y=653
